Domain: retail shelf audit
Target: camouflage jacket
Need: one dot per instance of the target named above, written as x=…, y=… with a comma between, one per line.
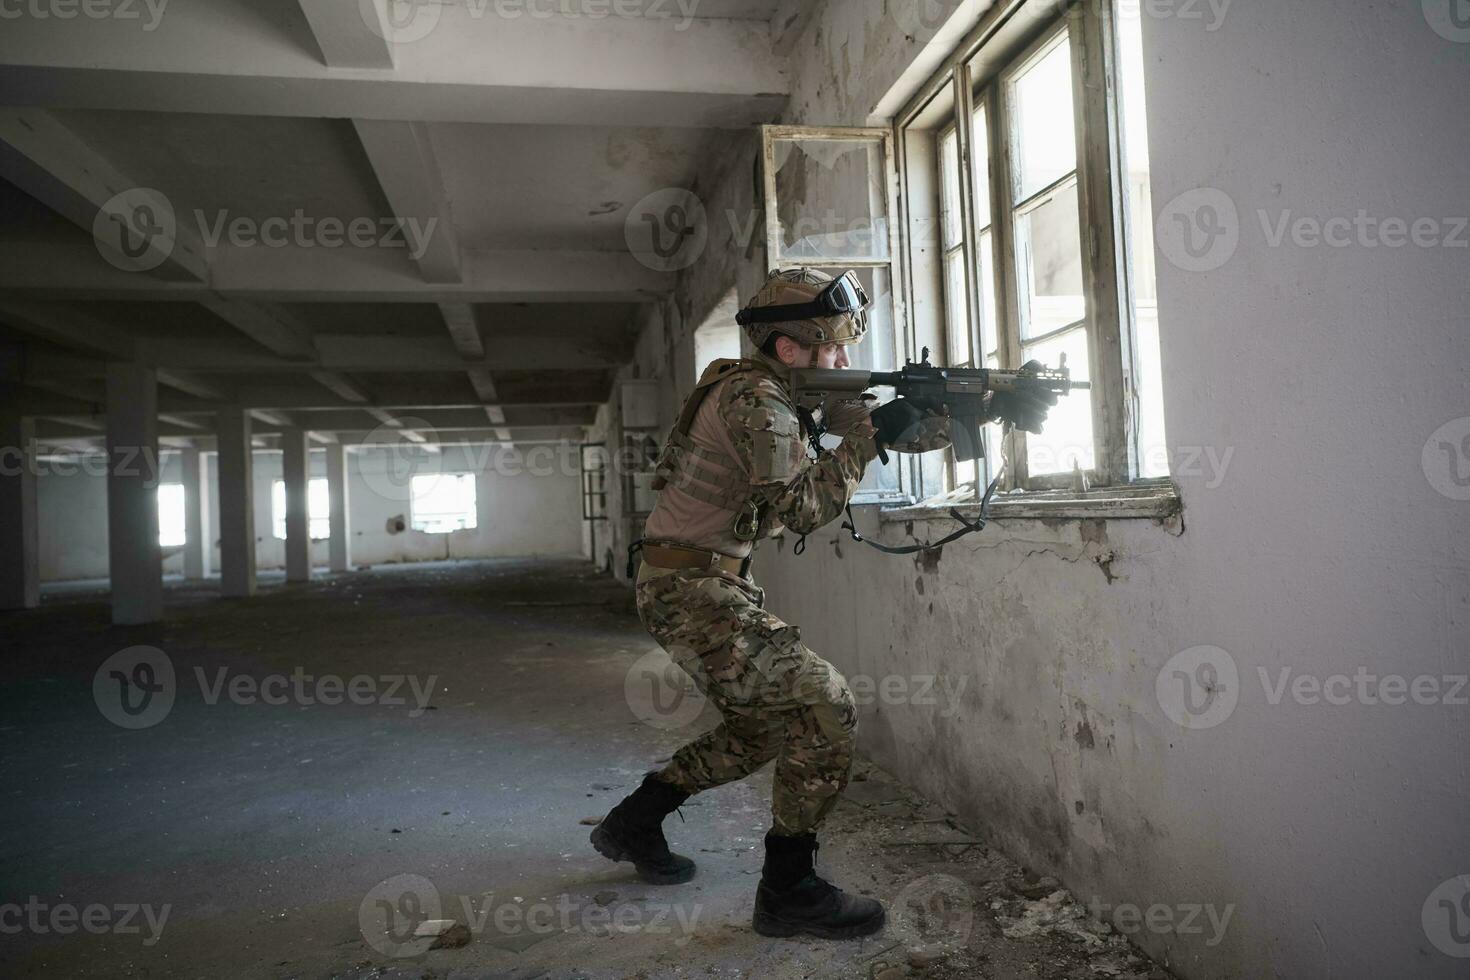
x=739, y=455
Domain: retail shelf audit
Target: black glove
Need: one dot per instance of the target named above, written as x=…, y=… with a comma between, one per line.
x=897, y=422
x=1026, y=410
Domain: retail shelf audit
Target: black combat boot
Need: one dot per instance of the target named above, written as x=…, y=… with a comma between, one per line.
x=792, y=900
x=633, y=831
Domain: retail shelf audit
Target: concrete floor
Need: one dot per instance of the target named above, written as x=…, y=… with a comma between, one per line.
x=269, y=833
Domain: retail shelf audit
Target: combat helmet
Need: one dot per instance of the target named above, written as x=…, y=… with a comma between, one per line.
x=809, y=306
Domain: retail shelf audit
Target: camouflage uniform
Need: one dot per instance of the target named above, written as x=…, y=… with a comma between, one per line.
x=778, y=699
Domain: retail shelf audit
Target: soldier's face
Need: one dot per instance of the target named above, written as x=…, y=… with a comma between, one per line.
x=830, y=356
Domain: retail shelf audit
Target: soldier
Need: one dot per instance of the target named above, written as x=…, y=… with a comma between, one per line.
x=735, y=470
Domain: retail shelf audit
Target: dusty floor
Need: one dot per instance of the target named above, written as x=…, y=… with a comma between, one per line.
x=237, y=838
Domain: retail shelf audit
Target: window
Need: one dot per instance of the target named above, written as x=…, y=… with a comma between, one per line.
x=318, y=509
x=828, y=195
x=443, y=502
x=1035, y=169
x=718, y=337
x=171, y=532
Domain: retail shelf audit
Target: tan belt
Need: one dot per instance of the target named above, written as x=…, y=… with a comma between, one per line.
x=678, y=557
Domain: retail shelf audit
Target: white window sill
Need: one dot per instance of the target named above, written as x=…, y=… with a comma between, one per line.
x=1145, y=500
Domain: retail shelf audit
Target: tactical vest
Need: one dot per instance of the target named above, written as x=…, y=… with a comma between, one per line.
x=710, y=476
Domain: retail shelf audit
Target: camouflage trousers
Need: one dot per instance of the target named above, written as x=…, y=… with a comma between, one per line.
x=778, y=699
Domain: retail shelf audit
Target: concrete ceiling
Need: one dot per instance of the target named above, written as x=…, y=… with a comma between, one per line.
x=516, y=135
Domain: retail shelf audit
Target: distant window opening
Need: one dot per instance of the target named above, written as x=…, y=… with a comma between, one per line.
x=444, y=502
x=718, y=338
x=318, y=509
x=171, y=532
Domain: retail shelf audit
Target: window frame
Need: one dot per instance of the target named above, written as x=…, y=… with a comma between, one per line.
x=893, y=264
x=980, y=72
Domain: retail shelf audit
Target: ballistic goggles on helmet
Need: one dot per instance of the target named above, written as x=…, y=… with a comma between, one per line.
x=844, y=295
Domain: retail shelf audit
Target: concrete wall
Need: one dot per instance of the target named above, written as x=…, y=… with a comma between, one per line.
x=1315, y=542
x=528, y=499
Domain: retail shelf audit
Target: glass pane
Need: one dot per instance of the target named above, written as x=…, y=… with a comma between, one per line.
x=1153, y=453
x=831, y=200
x=444, y=503
x=1067, y=437
x=1046, y=139
x=955, y=306
x=980, y=156
x=949, y=205
x=877, y=352
x=1049, y=261
x=319, y=509
x=994, y=435
x=989, y=337
x=171, y=515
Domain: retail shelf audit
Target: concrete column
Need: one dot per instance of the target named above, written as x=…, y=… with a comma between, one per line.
x=236, y=504
x=20, y=553
x=135, y=564
x=294, y=471
x=196, y=525
x=341, y=544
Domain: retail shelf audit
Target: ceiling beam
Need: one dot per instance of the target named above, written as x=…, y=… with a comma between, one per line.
x=464, y=330
x=266, y=324
x=403, y=160
x=454, y=63
x=346, y=37
x=69, y=327
x=57, y=167
x=56, y=270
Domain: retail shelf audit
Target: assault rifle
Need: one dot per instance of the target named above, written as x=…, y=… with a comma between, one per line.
x=959, y=393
